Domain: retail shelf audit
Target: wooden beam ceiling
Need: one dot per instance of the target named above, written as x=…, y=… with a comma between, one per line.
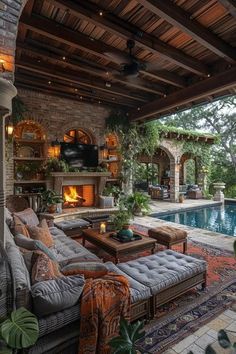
x=53, y=71
x=67, y=36
x=218, y=83
x=181, y=19
x=230, y=5
x=75, y=92
x=139, y=84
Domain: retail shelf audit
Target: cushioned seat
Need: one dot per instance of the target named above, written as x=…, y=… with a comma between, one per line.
x=163, y=269
x=138, y=291
x=68, y=249
x=168, y=236
x=74, y=227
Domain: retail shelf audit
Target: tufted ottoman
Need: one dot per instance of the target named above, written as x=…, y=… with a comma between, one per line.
x=74, y=227
x=167, y=274
x=168, y=236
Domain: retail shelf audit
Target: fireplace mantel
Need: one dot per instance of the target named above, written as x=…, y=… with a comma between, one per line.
x=81, y=174
x=61, y=179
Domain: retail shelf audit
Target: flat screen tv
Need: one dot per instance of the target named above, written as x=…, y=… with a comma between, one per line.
x=80, y=155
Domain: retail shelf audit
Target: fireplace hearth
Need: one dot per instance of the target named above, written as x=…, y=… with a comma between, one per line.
x=77, y=196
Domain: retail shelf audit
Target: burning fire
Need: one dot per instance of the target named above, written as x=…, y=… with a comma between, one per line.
x=71, y=195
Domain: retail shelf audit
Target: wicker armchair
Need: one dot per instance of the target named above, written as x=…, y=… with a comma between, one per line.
x=16, y=203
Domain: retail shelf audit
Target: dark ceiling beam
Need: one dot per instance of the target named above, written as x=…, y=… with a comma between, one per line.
x=230, y=5
x=61, y=87
x=54, y=71
x=167, y=77
x=181, y=19
x=215, y=84
x=80, y=66
x=56, y=31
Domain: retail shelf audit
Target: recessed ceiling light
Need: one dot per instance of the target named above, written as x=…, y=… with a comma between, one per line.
x=208, y=75
x=63, y=58
x=108, y=84
x=76, y=89
x=99, y=102
x=49, y=82
x=138, y=108
x=81, y=97
x=100, y=13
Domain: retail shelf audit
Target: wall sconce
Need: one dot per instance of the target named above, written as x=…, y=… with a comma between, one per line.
x=178, y=160
x=55, y=144
x=2, y=68
x=104, y=150
x=9, y=130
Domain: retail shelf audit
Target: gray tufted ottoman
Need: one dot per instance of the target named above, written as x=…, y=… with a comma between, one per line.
x=74, y=227
x=168, y=274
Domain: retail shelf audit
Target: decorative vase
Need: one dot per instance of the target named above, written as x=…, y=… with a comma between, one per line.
x=52, y=208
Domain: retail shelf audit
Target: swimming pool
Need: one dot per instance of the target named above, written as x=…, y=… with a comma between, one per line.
x=217, y=218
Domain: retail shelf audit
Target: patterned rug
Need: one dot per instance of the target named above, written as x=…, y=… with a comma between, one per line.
x=189, y=312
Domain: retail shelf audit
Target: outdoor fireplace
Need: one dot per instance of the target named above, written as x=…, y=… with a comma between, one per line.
x=78, y=195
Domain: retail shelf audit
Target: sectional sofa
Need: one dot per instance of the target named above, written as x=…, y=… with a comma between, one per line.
x=154, y=280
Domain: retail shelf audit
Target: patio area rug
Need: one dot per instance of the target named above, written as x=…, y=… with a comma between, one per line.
x=186, y=314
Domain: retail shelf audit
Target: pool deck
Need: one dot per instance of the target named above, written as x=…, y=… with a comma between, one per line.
x=208, y=237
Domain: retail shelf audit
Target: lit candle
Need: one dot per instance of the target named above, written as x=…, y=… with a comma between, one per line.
x=102, y=228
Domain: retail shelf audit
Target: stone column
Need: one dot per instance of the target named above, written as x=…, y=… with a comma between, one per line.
x=7, y=92
x=219, y=195
x=174, y=181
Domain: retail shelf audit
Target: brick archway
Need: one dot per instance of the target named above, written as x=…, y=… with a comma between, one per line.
x=9, y=19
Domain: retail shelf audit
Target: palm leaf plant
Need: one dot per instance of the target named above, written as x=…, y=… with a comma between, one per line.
x=126, y=342
x=19, y=331
x=137, y=203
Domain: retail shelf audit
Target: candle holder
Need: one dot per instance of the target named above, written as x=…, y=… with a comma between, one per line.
x=102, y=228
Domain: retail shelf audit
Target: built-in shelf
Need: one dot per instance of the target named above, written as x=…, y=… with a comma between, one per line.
x=29, y=141
x=16, y=158
x=29, y=181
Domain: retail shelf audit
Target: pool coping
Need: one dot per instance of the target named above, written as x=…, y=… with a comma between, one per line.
x=183, y=209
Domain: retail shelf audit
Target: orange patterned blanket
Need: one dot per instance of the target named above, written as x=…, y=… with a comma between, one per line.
x=104, y=302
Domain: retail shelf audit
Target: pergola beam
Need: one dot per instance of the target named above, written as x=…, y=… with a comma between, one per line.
x=126, y=31
x=55, y=71
x=230, y=5
x=218, y=83
x=181, y=19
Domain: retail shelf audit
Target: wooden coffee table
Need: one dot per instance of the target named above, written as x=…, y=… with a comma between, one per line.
x=115, y=248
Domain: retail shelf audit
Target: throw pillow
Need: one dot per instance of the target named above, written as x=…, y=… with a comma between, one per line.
x=43, y=268
x=41, y=233
x=19, y=227
x=88, y=269
x=28, y=217
x=33, y=245
x=57, y=294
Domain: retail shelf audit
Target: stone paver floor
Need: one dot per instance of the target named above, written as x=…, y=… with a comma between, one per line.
x=199, y=340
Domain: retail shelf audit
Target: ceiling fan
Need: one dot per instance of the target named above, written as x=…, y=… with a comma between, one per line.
x=129, y=64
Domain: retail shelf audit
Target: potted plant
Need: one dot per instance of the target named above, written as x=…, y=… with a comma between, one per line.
x=137, y=203
x=121, y=220
x=50, y=200
x=20, y=331
x=55, y=165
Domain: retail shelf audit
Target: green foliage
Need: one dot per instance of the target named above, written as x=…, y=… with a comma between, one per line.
x=20, y=330
x=50, y=197
x=122, y=217
x=55, y=165
x=125, y=343
x=18, y=110
x=137, y=203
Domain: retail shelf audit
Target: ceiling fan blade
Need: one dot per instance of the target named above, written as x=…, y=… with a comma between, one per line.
x=119, y=58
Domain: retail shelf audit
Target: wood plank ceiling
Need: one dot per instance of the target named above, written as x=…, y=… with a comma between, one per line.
x=184, y=52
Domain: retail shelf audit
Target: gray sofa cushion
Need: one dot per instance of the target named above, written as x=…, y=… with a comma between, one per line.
x=72, y=224
x=138, y=291
x=57, y=294
x=66, y=248
x=20, y=274
x=163, y=269
x=28, y=217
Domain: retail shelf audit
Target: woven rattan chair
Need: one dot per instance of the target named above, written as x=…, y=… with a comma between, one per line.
x=16, y=203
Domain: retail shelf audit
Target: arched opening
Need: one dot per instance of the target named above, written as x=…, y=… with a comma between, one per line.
x=78, y=136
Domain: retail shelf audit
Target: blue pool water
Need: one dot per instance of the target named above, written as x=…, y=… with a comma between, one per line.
x=219, y=219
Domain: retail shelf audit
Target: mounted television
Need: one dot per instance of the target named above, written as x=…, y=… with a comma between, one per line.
x=80, y=155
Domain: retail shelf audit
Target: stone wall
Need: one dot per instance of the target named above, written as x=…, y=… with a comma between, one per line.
x=58, y=115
